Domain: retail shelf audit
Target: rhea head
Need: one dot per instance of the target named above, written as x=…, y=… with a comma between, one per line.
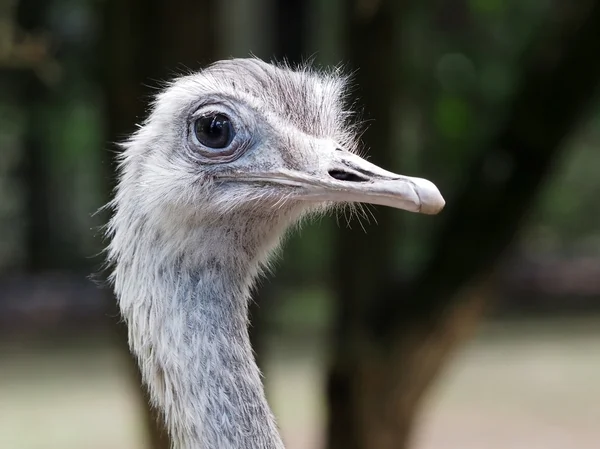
x=248, y=137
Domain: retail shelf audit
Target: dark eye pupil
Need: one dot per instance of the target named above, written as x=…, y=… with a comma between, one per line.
x=214, y=131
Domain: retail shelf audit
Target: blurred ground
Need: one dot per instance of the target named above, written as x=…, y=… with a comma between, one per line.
x=519, y=385
x=525, y=385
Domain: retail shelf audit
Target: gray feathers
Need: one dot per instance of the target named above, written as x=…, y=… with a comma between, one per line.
x=187, y=244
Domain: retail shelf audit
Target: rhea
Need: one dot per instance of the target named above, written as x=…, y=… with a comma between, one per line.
x=228, y=159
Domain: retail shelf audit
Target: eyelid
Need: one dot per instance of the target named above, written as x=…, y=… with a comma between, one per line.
x=207, y=112
x=208, y=107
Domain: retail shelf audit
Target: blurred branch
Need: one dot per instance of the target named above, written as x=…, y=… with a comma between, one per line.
x=504, y=181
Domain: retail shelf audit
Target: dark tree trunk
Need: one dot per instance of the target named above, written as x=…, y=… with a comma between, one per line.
x=395, y=337
x=41, y=251
x=147, y=42
x=46, y=248
x=363, y=259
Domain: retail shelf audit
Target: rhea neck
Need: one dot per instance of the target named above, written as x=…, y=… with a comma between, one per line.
x=187, y=313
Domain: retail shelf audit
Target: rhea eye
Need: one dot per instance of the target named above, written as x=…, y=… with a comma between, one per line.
x=214, y=130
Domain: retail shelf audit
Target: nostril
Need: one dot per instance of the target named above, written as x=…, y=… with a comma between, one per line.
x=342, y=175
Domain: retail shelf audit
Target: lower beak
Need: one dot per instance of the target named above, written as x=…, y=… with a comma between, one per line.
x=350, y=178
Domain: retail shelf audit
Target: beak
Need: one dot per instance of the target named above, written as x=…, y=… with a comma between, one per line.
x=350, y=178
x=340, y=176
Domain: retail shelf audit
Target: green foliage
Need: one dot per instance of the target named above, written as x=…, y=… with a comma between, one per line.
x=452, y=117
x=488, y=7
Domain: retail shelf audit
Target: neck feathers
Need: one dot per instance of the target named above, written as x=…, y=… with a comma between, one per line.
x=186, y=310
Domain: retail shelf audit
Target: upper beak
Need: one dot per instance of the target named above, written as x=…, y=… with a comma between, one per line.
x=350, y=178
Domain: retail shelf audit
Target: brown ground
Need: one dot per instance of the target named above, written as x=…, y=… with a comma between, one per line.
x=517, y=386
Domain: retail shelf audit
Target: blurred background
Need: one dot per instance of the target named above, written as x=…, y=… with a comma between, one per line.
x=477, y=328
